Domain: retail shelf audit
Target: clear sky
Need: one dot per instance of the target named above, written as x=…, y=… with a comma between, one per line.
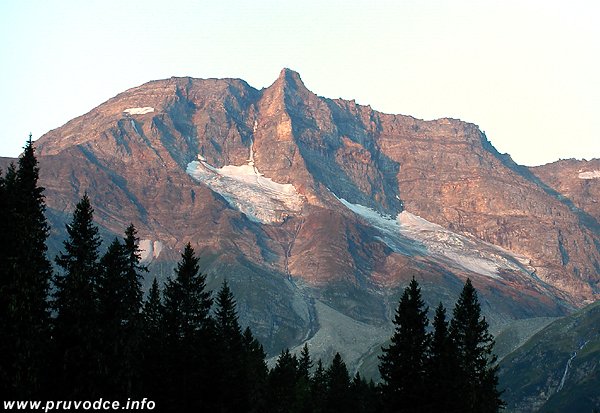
x=527, y=71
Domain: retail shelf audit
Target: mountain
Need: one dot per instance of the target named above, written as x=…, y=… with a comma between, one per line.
x=318, y=211
x=557, y=370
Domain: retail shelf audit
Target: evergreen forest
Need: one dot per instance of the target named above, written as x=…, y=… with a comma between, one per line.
x=80, y=327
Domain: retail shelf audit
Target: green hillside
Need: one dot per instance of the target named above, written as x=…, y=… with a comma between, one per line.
x=558, y=369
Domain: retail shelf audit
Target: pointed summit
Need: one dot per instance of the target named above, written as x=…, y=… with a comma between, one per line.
x=289, y=74
x=290, y=80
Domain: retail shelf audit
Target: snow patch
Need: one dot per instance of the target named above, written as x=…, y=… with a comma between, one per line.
x=589, y=175
x=461, y=251
x=139, y=111
x=149, y=250
x=246, y=189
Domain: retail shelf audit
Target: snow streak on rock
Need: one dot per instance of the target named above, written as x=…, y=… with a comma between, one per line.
x=247, y=190
x=139, y=111
x=149, y=250
x=408, y=232
x=589, y=175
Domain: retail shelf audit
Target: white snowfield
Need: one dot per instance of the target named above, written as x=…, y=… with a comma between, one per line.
x=462, y=251
x=589, y=175
x=246, y=189
x=139, y=111
x=149, y=250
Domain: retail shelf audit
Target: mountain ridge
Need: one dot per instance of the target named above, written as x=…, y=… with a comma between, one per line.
x=353, y=171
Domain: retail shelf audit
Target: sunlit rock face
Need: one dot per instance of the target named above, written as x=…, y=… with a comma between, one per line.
x=319, y=210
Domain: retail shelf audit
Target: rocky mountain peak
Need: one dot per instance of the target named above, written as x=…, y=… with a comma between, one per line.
x=327, y=192
x=291, y=78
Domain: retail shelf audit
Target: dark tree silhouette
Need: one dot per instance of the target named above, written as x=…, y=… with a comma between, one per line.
x=153, y=350
x=256, y=372
x=338, y=397
x=232, y=369
x=76, y=332
x=402, y=364
x=188, y=329
x=25, y=274
x=282, y=384
x=119, y=318
x=442, y=368
x=478, y=378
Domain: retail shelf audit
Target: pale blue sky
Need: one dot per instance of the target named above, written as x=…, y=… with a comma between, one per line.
x=527, y=72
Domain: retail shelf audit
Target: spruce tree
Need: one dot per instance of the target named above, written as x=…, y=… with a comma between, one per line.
x=231, y=372
x=402, y=364
x=282, y=384
x=364, y=396
x=338, y=397
x=478, y=376
x=25, y=274
x=318, y=388
x=132, y=323
x=186, y=301
x=442, y=367
x=111, y=312
x=32, y=275
x=7, y=265
x=5, y=381
x=134, y=275
x=153, y=349
x=256, y=372
x=188, y=328
x=305, y=364
x=303, y=393
x=76, y=305
x=119, y=319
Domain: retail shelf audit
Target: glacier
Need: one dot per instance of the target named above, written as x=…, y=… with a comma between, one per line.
x=459, y=251
x=249, y=191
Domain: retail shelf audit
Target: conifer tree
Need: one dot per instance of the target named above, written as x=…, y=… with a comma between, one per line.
x=24, y=278
x=364, y=396
x=152, y=311
x=442, y=367
x=305, y=364
x=478, y=376
x=32, y=275
x=133, y=275
x=256, y=372
x=186, y=301
x=338, y=387
x=111, y=315
x=303, y=392
x=282, y=384
x=187, y=325
x=318, y=388
x=402, y=364
x=76, y=304
x=5, y=343
x=231, y=371
x=25, y=274
x=153, y=349
x=7, y=266
x=119, y=303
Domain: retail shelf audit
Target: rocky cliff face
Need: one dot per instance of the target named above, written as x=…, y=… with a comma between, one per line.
x=318, y=211
x=575, y=181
